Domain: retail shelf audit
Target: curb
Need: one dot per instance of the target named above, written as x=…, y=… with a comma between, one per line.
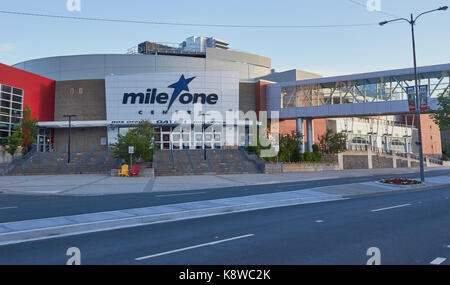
x=411, y=189
x=111, y=224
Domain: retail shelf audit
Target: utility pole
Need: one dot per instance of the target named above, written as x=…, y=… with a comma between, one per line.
x=412, y=22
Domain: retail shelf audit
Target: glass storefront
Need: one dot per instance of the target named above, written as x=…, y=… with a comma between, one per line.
x=194, y=136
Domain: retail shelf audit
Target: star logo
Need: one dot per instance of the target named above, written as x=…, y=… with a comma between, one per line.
x=178, y=87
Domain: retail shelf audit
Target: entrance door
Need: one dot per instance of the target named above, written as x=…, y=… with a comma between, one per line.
x=165, y=140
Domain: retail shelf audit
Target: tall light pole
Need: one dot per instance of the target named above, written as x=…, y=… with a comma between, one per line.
x=204, y=136
x=68, y=144
x=412, y=22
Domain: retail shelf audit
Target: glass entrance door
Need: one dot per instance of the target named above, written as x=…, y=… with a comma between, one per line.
x=165, y=140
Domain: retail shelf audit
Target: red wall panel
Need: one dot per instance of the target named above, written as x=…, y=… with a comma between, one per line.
x=39, y=92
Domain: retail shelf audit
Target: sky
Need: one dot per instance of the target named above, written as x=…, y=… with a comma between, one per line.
x=327, y=51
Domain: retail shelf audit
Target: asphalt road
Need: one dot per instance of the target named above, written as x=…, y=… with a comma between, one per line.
x=407, y=228
x=22, y=207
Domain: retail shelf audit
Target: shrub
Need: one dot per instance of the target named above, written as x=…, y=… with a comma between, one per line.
x=317, y=156
x=315, y=148
x=309, y=156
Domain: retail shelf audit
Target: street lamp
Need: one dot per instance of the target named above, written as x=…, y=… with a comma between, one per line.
x=412, y=21
x=70, y=127
x=204, y=136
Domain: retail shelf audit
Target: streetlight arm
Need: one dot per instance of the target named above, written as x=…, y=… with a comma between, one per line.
x=438, y=9
x=395, y=20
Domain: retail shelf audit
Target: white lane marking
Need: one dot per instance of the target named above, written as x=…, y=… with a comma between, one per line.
x=6, y=208
x=388, y=208
x=288, y=186
x=192, y=247
x=438, y=260
x=319, y=221
x=183, y=194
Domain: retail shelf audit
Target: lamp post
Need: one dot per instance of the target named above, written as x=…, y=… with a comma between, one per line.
x=204, y=136
x=68, y=144
x=412, y=22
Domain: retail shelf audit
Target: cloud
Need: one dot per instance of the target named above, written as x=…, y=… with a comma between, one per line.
x=6, y=47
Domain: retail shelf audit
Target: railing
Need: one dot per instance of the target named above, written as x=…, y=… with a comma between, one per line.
x=86, y=157
x=19, y=161
x=259, y=163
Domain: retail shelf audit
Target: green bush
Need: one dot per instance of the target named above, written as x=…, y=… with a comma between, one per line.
x=444, y=157
x=309, y=156
x=315, y=148
x=301, y=157
x=317, y=156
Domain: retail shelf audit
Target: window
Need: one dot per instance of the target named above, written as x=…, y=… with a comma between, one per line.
x=6, y=88
x=5, y=96
x=11, y=99
x=17, y=91
x=17, y=99
x=6, y=104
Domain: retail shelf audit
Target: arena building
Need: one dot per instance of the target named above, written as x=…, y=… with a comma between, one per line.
x=109, y=93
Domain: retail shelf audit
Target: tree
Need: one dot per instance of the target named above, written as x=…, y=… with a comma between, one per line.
x=141, y=138
x=24, y=134
x=332, y=143
x=442, y=115
x=290, y=147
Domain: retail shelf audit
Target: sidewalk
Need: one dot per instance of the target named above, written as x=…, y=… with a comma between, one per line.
x=15, y=232
x=94, y=184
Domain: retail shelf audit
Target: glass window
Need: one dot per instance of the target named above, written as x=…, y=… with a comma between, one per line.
x=123, y=131
x=16, y=113
x=3, y=134
x=4, y=119
x=6, y=104
x=15, y=120
x=6, y=88
x=4, y=126
x=17, y=106
x=17, y=91
x=17, y=99
x=4, y=111
x=5, y=96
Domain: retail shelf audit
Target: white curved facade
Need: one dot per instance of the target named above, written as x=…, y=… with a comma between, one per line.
x=98, y=66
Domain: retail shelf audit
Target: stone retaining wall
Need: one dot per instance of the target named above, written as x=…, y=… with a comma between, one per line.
x=299, y=167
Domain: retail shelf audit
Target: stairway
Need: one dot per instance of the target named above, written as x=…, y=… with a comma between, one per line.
x=50, y=163
x=193, y=162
